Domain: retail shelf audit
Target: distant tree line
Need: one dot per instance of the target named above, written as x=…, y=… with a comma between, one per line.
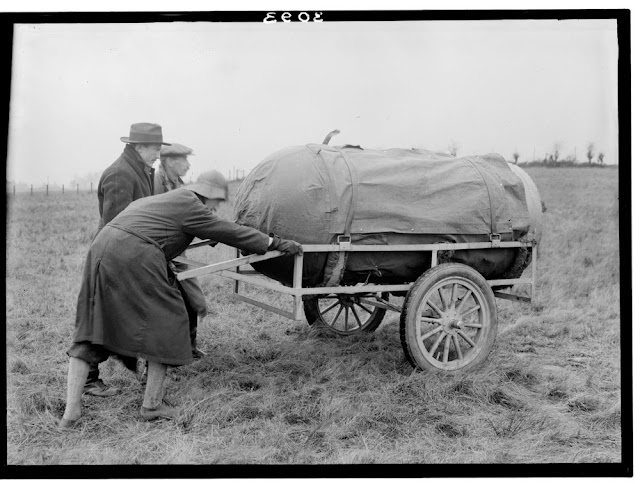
x=551, y=158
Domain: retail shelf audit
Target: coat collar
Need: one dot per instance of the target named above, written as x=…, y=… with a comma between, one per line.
x=168, y=182
x=132, y=157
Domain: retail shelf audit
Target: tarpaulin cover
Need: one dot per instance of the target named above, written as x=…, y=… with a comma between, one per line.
x=315, y=192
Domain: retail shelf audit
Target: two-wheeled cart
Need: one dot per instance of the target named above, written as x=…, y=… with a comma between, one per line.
x=449, y=317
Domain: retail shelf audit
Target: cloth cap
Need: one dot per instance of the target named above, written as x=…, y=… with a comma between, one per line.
x=175, y=149
x=210, y=184
x=146, y=133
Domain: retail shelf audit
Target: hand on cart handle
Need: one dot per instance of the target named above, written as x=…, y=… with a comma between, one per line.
x=289, y=247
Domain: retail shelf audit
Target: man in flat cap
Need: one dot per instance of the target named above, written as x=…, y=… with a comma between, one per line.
x=128, y=178
x=173, y=166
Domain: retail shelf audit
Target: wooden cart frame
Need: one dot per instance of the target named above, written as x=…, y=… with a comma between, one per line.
x=414, y=339
x=297, y=291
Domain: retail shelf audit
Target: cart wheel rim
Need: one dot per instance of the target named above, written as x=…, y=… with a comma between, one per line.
x=454, y=323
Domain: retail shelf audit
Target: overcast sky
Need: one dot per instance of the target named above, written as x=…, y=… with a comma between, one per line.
x=236, y=92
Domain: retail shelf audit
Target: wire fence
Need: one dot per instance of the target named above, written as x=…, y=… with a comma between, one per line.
x=77, y=189
x=22, y=189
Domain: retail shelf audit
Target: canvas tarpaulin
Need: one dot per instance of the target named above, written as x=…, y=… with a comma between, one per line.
x=313, y=193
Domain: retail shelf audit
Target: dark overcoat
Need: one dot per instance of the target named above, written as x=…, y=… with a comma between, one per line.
x=193, y=292
x=129, y=302
x=125, y=180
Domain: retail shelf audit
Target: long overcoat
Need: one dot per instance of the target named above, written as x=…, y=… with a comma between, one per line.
x=193, y=292
x=125, y=180
x=129, y=301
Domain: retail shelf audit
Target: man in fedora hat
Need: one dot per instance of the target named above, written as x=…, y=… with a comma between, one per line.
x=173, y=166
x=129, y=306
x=128, y=178
x=131, y=176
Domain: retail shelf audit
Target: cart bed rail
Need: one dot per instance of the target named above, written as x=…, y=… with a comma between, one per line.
x=297, y=291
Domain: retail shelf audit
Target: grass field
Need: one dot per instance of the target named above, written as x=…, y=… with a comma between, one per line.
x=275, y=391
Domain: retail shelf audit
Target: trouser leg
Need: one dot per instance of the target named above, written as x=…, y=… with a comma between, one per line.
x=193, y=317
x=154, y=391
x=76, y=378
x=94, y=373
x=193, y=327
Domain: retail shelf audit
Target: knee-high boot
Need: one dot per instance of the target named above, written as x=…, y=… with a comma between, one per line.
x=154, y=391
x=76, y=378
x=153, y=406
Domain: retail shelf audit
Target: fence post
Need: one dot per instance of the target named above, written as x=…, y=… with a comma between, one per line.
x=47, y=193
x=63, y=188
x=14, y=189
x=91, y=188
x=31, y=190
x=77, y=188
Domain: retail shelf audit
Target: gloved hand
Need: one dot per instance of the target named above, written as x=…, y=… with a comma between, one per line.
x=289, y=247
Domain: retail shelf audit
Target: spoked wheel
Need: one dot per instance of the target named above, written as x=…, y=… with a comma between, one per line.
x=347, y=313
x=449, y=319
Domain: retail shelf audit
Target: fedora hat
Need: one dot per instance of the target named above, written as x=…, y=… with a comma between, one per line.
x=145, y=133
x=210, y=184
